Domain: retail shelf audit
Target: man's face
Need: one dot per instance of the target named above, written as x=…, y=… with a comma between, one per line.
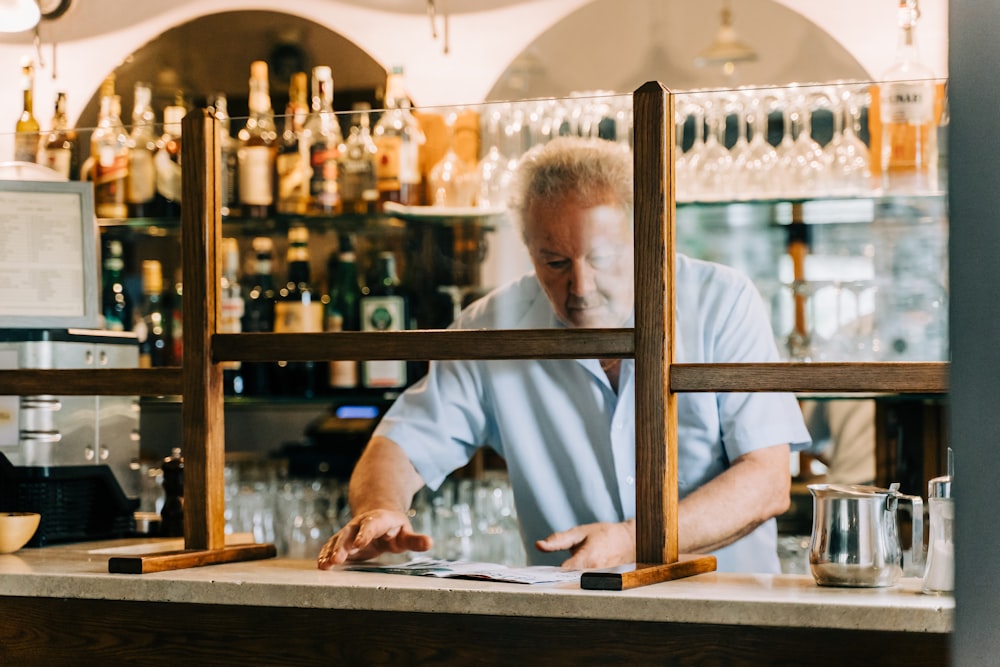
x=583, y=259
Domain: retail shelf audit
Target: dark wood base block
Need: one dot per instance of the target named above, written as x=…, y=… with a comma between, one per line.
x=178, y=560
x=633, y=575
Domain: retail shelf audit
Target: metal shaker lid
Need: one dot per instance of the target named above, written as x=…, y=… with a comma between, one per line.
x=939, y=487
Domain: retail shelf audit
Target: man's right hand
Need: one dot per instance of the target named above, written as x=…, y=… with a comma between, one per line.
x=370, y=534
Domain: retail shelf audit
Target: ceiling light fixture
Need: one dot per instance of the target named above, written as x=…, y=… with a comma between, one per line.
x=727, y=49
x=19, y=15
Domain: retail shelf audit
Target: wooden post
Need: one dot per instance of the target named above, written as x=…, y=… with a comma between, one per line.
x=203, y=417
x=655, y=404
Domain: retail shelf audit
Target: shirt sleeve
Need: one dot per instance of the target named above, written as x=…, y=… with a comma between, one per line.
x=439, y=435
x=753, y=420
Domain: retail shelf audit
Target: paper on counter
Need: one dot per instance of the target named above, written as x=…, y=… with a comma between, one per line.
x=450, y=569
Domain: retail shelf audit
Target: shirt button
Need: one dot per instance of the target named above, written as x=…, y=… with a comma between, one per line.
x=630, y=480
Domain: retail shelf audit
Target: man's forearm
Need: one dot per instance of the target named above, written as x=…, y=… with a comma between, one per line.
x=384, y=478
x=754, y=489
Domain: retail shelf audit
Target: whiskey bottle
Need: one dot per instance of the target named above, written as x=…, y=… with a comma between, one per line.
x=292, y=176
x=384, y=308
x=168, y=162
x=325, y=141
x=907, y=113
x=343, y=310
x=116, y=307
x=255, y=157
x=258, y=316
x=27, y=138
x=109, y=156
x=231, y=311
x=152, y=321
x=297, y=309
x=398, y=137
x=60, y=148
x=140, y=190
x=220, y=108
x=356, y=170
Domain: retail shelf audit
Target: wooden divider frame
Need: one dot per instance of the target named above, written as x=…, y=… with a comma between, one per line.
x=658, y=379
x=203, y=438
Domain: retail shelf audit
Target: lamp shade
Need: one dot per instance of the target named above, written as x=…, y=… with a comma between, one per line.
x=18, y=15
x=726, y=48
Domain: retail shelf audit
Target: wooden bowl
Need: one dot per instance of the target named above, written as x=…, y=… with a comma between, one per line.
x=16, y=528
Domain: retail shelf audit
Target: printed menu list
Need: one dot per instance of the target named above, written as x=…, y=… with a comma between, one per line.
x=41, y=254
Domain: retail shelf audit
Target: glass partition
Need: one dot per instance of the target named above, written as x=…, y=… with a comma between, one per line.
x=784, y=184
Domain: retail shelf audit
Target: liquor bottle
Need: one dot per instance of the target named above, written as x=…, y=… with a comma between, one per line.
x=60, y=148
x=116, y=307
x=231, y=310
x=398, y=137
x=297, y=309
x=384, y=308
x=255, y=156
x=343, y=311
x=151, y=321
x=356, y=167
x=175, y=313
x=907, y=113
x=109, y=155
x=220, y=107
x=292, y=173
x=168, y=162
x=140, y=190
x=325, y=141
x=258, y=316
x=27, y=138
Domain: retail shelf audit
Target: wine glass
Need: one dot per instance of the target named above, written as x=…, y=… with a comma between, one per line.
x=712, y=178
x=754, y=176
x=452, y=180
x=495, y=171
x=847, y=154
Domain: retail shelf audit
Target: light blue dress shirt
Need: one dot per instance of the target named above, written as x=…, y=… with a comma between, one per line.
x=569, y=440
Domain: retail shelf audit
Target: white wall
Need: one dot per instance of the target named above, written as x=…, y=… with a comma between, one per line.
x=96, y=35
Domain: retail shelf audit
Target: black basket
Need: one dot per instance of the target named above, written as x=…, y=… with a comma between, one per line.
x=77, y=503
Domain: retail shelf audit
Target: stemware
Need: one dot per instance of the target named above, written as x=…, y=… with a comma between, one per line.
x=754, y=176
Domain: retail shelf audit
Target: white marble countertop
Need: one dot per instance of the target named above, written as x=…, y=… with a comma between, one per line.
x=81, y=571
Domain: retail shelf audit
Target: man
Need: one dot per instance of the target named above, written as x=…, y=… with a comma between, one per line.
x=566, y=427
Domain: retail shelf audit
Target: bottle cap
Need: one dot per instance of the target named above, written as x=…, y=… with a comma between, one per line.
x=322, y=72
x=258, y=70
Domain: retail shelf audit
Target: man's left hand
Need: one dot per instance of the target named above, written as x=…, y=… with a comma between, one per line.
x=594, y=545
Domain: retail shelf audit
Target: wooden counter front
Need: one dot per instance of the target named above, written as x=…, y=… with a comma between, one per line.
x=60, y=606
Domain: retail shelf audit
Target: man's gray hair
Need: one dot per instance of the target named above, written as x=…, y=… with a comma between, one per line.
x=594, y=171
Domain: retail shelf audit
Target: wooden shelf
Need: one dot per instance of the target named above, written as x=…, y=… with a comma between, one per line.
x=90, y=381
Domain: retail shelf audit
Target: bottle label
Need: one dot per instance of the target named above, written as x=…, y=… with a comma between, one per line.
x=911, y=103
x=256, y=175
x=343, y=372
x=323, y=185
x=141, y=186
x=231, y=310
x=59, y=160
x=409, y=163
x=298, y=317
x=168, y=176
x=387, y=162
x=26, y=146
x=109, y=187
x=383, y=313
x=291, y=179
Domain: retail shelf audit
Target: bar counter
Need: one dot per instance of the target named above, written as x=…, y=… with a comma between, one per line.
x=60, y=605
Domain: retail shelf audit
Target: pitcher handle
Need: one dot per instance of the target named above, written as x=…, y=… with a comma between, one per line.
x=917, y=535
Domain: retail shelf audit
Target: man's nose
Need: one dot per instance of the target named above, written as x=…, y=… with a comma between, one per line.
x=583, y=279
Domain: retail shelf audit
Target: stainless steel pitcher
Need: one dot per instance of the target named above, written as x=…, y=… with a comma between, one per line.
x=855, y=538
